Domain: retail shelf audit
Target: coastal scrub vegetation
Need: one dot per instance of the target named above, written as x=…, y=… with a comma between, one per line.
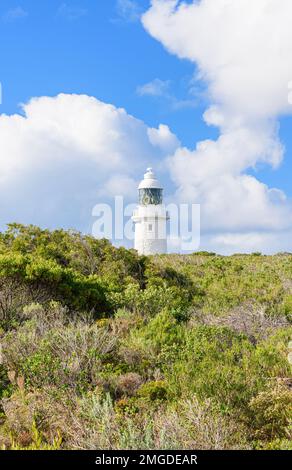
x=103, y=349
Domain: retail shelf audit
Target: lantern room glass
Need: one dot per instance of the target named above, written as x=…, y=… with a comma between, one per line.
x=150, y=196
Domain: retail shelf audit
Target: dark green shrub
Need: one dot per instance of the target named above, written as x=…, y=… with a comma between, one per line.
x=153, y=391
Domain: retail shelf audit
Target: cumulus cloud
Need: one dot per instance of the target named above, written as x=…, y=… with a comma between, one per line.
x=243, y=53
x=163, y=138
x=63, y=155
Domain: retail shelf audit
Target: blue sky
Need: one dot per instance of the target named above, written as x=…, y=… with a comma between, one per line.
x=90, y=47
x=101, y=48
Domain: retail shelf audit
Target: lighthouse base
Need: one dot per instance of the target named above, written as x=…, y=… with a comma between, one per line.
x=150, y=247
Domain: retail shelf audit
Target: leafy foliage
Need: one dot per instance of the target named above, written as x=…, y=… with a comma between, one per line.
x=102, y=348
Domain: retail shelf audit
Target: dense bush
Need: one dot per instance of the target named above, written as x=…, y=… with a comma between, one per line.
x=102, y=348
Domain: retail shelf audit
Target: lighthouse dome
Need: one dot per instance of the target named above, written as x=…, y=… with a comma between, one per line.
x=149, y=180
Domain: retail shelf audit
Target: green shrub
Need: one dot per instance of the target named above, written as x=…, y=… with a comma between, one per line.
x=272, y=414
x=108, y=349
x=153, y=391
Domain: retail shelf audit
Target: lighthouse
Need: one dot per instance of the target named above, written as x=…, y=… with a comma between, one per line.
x=150, y=217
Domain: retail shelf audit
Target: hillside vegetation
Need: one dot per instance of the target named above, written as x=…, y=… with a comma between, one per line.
x=103, y=349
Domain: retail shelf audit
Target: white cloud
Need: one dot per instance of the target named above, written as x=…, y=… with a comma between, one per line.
x=128, y=10
x=242, y=48
x=243, y=53
x=268, y=243
x=163, y=138
x=15, y=14
x=156, y=87
x=119, y=184
x=161, y=89
x=71, y=152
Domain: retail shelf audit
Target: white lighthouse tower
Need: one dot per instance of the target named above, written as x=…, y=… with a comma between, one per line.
x=150, y=217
